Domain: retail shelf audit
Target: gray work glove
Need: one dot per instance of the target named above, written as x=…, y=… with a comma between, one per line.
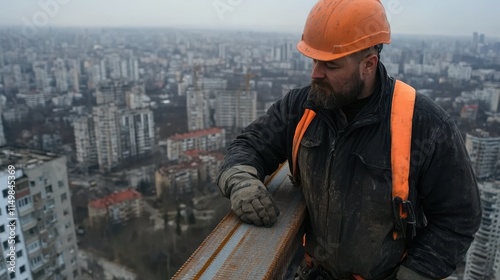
x=405, y=273
x=250, y=199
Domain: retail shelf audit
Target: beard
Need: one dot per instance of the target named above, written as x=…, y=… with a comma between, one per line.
x=324, y=96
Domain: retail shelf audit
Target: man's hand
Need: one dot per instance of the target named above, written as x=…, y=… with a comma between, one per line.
x=250, y=200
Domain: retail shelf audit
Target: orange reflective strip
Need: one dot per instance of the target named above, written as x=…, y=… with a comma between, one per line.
x=403, y=102
x=358, y=277
x=301, y=128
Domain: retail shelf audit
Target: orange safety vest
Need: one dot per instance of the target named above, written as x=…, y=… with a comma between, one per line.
x=403, y=102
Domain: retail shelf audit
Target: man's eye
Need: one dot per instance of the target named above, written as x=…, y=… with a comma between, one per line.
x=331, y=65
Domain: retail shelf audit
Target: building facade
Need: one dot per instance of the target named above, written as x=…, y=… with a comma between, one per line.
x=211, y=139
x=115, y=208
x=45, y=233
x=235, y=109
x=484, y=151
x=482, y=257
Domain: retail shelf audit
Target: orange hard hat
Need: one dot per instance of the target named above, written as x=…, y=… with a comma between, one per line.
x=336, y=28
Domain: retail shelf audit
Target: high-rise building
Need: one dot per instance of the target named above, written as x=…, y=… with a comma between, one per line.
x=484, y=152
x=2, y=133
x=222, y=51
x=482, y=257
x=44, y=231
x=481, y=38
x=235, y=109
x=107, y=135
x=198, y=111
x=118, y=134
x=136, y=98
x=111, y=92
x=42, y=81
x=61, y=75
x=138, y=133
x=133, y=69
x=86, y=149
x=475, y=38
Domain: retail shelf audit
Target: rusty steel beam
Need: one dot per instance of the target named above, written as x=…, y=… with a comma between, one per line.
x=235, y=250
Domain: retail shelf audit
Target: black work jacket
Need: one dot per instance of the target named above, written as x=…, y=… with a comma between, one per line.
x=345, y=175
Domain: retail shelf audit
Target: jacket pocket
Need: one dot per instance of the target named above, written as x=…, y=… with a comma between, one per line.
x=310, y=142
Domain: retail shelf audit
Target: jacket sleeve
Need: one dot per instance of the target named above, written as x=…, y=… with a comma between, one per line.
x=449, y=197
x=265, y=143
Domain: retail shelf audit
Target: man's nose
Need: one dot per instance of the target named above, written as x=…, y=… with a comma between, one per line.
x=317, y=70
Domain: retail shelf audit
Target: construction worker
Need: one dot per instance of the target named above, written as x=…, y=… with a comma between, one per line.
x=343, y=161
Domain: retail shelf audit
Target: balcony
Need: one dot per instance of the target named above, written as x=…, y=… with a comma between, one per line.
x=28, y=224
x=26, y=209
x=235, y=250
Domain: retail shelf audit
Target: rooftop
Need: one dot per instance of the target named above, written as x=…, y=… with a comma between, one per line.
x=115, y=198
x=196, y=133
x=24, y=158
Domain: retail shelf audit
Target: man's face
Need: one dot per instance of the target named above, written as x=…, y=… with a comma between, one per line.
x=335, y=83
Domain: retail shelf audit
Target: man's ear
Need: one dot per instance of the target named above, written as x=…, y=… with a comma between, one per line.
x=369, y=65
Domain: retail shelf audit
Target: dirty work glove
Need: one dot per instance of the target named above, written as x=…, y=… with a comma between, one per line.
x=250, y=200
x=405, y=273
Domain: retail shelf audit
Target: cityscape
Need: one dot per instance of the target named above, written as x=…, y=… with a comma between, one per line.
x=115, y=136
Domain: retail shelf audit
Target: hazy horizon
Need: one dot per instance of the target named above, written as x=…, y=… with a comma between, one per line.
x=407, y=17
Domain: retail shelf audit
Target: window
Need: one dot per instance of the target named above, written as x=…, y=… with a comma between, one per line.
x=24, y=201
x=12, y=275
x=2, y=228
x=32, y=184
x=35, y=261
x=22, y=269
x=64, y=197
x=5, y=193
x=5, y=245
x=48, y=189
x=19, y=253
x=60, y=183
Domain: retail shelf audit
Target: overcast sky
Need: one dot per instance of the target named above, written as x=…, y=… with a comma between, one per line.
x=442, y=17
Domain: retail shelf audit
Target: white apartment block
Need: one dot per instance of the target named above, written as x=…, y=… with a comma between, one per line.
x=14, y=261
x=235, y=109
x=483, y=257
x=111, y=92
x=484, y=153
x=136, y=98
x=2, y=133
x=211, y=139
x=86, y=149
x=138, y=131
x=459, y=72
x=198, y=111
x=46, y=242
x=107, y=134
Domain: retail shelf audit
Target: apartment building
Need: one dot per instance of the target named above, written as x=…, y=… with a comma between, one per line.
x=174, y=181
x=235, y=109
x=483, y=259
x=484, y=151
x=210, y=139
x=115, y=208
x=45, y=233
